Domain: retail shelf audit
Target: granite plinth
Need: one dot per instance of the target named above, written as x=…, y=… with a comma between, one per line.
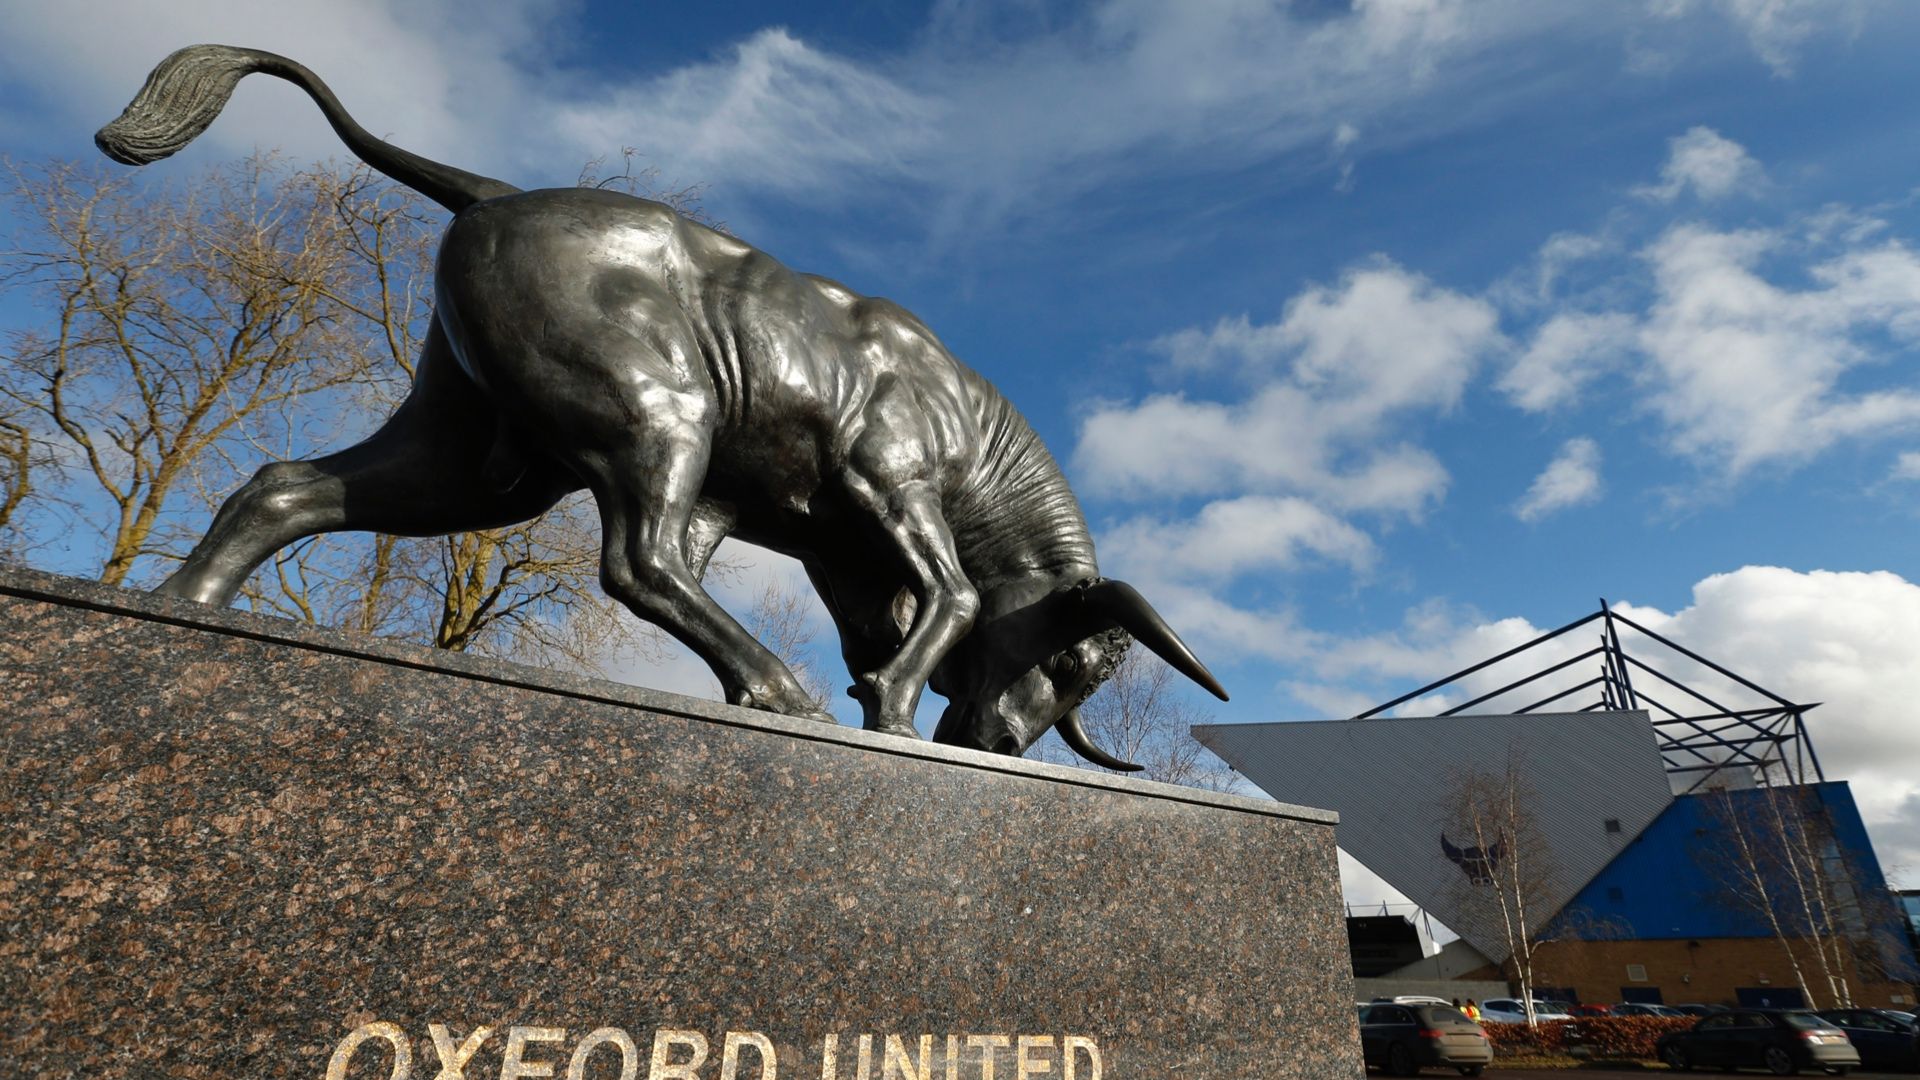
x=239, y=847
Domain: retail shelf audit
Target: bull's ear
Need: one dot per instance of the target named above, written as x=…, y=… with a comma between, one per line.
x=1074, y=734
x=1122, y=604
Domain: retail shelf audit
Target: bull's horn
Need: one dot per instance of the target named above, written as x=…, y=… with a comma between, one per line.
x=1122, y=603
x=1074, y=734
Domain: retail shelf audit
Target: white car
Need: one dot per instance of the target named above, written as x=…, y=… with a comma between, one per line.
x=1510, y=1011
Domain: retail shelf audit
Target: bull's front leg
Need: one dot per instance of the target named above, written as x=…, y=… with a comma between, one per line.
x=890, y=477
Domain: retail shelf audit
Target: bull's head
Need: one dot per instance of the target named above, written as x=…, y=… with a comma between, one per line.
x=1031, y=661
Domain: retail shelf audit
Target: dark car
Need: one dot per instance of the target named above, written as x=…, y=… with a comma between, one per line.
x=1782, y=1041
x=1886, y=1039
x=1401, y=1039
x=1700, y=1010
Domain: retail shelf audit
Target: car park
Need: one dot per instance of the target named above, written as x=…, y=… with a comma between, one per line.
x=1403, y=1039
x=1886, y=1039
x=1510, y=1011
x=1782, y=1041
x=1697, y=1009
x=1642, y=1008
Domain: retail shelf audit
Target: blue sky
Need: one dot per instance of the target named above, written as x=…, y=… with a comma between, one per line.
x=1374, y=335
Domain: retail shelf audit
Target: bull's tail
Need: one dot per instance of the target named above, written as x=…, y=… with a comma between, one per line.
x=188, y=89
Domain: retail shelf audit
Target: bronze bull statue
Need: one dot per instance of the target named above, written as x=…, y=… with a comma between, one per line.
x=700, y=389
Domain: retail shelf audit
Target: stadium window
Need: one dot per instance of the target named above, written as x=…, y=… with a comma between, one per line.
x=1636, y=973
x=1613, y=824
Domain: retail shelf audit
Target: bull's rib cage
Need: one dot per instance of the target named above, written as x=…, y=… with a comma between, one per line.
x=1701, y=737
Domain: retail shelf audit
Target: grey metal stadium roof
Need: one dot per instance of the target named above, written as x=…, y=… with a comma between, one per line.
x=1390, y=780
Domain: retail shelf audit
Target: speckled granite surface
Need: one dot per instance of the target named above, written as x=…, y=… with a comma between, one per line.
x=235, y=847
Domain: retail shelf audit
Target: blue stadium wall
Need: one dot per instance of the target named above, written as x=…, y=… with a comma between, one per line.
x=1659, y=887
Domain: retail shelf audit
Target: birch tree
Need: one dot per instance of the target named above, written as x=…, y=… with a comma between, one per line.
x=1510, y=870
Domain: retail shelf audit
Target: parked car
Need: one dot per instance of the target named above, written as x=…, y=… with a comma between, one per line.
x=1402, y=1039
x=1643, y=1008
x=1782, y=1041
x=1591, y=1009
x=1414, y=999
x=1509, y=1011
x=1885, y=1038
x=1696, y=1009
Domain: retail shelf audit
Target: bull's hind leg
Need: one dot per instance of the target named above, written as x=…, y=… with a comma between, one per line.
x=647, y=492
x=421, y=474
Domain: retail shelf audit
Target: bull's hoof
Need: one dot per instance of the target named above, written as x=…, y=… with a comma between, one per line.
x=904, y=729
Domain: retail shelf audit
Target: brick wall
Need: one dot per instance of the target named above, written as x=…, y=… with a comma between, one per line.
x=1707, y=970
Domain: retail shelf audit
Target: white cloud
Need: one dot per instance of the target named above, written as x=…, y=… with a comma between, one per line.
x=1764, y=345
x=1776, y=29
x=1339, y=364
x=437, y=76
x=1238, y=536
x=985, y=121
x=1344, y=137
x=1744, y=371
x=1907, y=466
x=1571, y=479
x=1707, y=163
x=1567, y=352
x=970, y=126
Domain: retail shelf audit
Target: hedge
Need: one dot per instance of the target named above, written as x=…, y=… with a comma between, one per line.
x=1599, y=1036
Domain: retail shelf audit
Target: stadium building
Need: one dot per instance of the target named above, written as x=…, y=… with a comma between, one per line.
x=1662, y=830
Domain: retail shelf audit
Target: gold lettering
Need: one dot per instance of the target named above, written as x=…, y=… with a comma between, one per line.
x=1067, y=1056
x=830, y=1058
x=513, y=1065
x=664, y=1040
x=730, y=1054
x=379, y=1029
x=896, y=1062
x=991, y=1045
x=1024, y=1065
x=953, y=1057
x=865, y=1069
x=453, y=1062
x=606, y=1036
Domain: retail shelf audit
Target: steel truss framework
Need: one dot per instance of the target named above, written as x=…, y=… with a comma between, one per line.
x=1701, y=738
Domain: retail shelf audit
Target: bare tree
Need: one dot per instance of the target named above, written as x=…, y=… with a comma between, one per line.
x=647, y=182
x=1778, y=856
x=781, y=619
x=179, y=327
x=1508, y=866
x=264, y=312
x=20, y=454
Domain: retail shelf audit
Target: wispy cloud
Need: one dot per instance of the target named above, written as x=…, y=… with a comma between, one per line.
x=1708, y=164
x=968, y=126
x=1571, y=479
x=1776, y=29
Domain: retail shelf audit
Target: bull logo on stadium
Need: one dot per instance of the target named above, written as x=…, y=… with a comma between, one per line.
x=1479, y=864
